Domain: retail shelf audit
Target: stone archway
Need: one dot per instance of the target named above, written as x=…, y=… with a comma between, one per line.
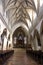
x=19, y=38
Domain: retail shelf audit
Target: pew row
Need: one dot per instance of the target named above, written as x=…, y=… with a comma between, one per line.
x=36, y=55
x=4, y=55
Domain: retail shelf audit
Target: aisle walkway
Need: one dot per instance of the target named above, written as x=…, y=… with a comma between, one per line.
x=20, y=58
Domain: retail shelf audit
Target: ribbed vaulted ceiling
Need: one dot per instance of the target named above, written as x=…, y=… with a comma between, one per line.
x=17, y=10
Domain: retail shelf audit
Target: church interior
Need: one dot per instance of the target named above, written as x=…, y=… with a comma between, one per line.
x=21, y=32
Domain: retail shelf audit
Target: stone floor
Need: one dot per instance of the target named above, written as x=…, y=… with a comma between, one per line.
x=20, y=58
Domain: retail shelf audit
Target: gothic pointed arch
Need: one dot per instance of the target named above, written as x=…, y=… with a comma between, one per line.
x=20, y=36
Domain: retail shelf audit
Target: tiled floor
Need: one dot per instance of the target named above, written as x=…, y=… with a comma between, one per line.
x=20, y=58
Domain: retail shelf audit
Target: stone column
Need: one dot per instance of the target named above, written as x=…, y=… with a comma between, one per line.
x=32, y=44
x=5, y=43
x=11, y=41
x=10, y=44
x=35, y=43
x=0, y=43
x=38, y=6
x=42, y=43
x=27, y=41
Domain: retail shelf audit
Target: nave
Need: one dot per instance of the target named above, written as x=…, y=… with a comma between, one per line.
x=20, y=58
x=21, y=32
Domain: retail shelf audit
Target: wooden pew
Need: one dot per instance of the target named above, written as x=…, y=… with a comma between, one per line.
x=36, y=55
x=4, y=55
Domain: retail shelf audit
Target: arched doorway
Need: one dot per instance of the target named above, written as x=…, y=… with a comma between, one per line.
x=19, y=38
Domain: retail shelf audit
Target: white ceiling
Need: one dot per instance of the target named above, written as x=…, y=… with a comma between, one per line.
x=21, y=11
